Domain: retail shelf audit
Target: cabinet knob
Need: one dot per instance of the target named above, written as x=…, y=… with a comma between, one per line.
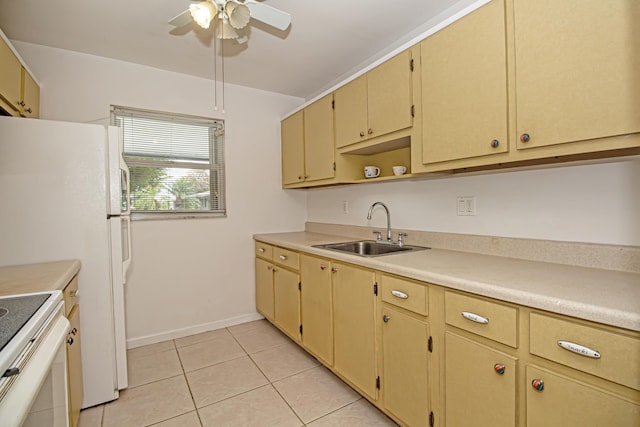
x=74, y=331
x=70, y=340
x=495, y=143
x=21, y=103
x=299, y=177
x=361, y=133
x=334, y=270
x=538, y=384
x=28, y=110
x=525, y=137
x=269, y=267
x=323, y=267
x=499, y=368
x=73, y=293
x=370, y=131
x=385, y=318
x=282, y=257
x=261, y=250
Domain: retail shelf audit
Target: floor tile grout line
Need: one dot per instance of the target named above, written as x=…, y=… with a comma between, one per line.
x=186, y=380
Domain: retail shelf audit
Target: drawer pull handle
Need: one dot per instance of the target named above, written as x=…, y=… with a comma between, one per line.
x=399, y=294
x=579, y=349
x=261, y=250
x=474, y=317
x=282, y=257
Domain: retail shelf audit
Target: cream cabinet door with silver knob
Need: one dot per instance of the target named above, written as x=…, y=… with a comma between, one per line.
x=404, y=376
x=264, y=288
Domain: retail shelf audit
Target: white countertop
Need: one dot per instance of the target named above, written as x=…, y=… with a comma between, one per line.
x=605, y=296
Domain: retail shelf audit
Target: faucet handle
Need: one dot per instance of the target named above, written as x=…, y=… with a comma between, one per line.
x=378, y=235
x=401, y=237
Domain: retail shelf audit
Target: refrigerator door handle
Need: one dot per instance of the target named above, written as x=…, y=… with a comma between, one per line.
x=127, y=262
x=125, y=175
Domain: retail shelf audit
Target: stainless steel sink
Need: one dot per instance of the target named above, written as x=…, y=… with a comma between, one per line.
x=368, y=248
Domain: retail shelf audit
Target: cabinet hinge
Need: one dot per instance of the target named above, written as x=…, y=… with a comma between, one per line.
x=333, y=104
x=431, y=419
x=411, y=64
x=378, y=383
x=300, y=329
x=375, y=288
x=299, y=286
x=430, y=344
x=334, y=166
x=413, y=111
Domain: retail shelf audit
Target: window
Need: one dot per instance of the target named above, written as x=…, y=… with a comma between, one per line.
x=176, y=161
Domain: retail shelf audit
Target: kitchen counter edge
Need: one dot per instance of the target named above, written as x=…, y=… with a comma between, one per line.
x=40, y=277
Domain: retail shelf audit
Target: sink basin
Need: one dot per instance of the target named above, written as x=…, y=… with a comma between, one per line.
x=368, y=248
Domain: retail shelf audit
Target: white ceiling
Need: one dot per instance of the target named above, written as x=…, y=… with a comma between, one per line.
x=327, y=40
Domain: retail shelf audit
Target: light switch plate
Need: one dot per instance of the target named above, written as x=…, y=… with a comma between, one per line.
x=466, y=206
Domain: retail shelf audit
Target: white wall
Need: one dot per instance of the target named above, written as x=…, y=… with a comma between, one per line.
x=186, y=274
x=588, y=203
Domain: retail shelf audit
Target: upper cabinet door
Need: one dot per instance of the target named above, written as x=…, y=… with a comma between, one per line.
x=577, y=70
x=351, y=112
x=292, y=134
x=30, y=96
x=464, y=87
x=10, y=69
x=318, y=139
x=389, y=96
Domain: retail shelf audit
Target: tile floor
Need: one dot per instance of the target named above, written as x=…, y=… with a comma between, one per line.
x=244, y=375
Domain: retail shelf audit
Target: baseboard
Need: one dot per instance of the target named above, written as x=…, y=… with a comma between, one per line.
x=191, y=330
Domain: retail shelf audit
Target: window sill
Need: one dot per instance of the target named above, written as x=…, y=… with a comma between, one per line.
x=154, y=216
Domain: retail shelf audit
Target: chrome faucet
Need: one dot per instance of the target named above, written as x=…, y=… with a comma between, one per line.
x=389, y=240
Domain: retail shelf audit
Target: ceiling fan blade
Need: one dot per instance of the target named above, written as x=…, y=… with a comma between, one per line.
x=269, y=15
x=181, y=20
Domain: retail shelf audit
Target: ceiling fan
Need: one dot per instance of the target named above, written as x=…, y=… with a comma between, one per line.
x=232, y=16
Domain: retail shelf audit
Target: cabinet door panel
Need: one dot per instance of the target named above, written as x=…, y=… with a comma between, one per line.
x=576, y=78
x=351, y=112
x=30, y=96
x=405, y=380
x=318, y=139
x=464, y=87
x=74, y=366
x=315, y=307
x=10, y=69
x=389, y=95
x=264, y=288
x=569, y=403
x=292, y=130
x=287, y=302
x=476, y=394
x=354, y=326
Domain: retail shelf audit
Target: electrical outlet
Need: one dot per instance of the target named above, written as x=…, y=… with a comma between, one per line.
x=466, y=206
x=345, y=207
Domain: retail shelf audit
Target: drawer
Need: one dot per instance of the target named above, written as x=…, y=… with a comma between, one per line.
x=263, y=250
x=70, y=295
x=486, y=318
x=619, y=359
x=406, y=294
x=286, y=258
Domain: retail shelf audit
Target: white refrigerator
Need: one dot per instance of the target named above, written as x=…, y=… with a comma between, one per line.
x=63, y=195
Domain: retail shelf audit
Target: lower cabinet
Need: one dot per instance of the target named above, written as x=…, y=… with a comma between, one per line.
x=287, y=301
x=264, y=288
x=556, y=400
x=405, y=380
x=315, y=307
x=74, y=366
x=480, y=385
x=354, y=303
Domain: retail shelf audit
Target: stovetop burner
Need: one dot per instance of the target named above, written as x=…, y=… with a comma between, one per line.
x=15, y=312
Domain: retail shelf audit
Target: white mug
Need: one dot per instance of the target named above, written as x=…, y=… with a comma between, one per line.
x=371, y=171
x=399, y=170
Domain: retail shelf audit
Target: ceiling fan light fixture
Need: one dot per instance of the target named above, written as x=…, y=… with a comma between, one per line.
x=203, y=13
x=238, y=13
x=226, y=31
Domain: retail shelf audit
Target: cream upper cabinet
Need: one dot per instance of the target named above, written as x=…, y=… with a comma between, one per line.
x=292, y=134
x=10, y=83
x=318, y=140
x=577, y=70
x=30, y=99
x=480, y=384
x=315, y=307
x=355, y=356
x=307, y=144
x=375, y=104
x=464, y=87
